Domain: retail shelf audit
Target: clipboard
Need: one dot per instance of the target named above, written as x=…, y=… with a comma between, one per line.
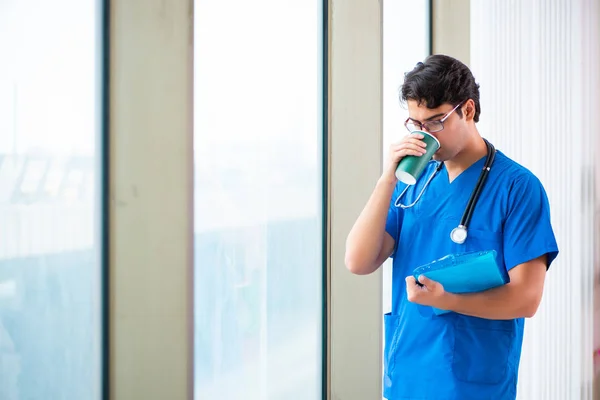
x=465, y=273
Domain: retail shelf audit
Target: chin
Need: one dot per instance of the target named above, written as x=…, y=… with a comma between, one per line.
x=438, y=157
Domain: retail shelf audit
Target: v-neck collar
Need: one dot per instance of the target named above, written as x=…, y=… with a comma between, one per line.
x=477, y=165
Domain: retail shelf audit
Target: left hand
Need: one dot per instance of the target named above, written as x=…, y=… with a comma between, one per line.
x=432, y=293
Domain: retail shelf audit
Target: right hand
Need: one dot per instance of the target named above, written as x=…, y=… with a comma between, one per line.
x=410, y=145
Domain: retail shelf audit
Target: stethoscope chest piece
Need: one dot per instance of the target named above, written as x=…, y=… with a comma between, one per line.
x=459, y=234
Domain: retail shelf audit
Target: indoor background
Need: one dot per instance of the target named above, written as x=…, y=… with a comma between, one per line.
x=178, y=177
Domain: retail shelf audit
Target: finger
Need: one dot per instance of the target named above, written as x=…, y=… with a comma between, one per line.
x=412, y=290
x=410, y=280
x=417, y=141
x=409, y=139
x=410, y=152
x=412, y=283
x=396, y=157
x=427, y=282
x=416, y=135
x=411, y=146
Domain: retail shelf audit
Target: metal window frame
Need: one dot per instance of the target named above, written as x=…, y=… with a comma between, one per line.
x=355, y=126
x=149, y=109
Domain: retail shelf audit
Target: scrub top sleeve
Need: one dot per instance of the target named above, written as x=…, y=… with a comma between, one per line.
x=393, y=224
x=528, y=231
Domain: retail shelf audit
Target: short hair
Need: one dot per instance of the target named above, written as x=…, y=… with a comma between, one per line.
x=441, y=79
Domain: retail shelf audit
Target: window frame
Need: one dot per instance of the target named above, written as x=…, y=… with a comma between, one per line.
x=355, y=128
x=150, y=142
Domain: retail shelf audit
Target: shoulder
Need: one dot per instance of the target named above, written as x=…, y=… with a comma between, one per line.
x=514, y=175
x=522, y=187
x=526, y=217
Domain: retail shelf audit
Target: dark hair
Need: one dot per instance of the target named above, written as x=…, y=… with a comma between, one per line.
x=439, y=80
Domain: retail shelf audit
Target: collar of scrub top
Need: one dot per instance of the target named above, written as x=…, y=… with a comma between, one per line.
x=459, y=234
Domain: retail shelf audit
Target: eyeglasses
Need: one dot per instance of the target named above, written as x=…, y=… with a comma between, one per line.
x=429, y=126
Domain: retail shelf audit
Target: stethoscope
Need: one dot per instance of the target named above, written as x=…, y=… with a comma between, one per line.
x=459, y=234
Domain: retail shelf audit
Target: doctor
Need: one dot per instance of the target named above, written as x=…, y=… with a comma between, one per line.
x=474, y=351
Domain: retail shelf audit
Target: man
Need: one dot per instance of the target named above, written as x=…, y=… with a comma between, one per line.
x=473, y=351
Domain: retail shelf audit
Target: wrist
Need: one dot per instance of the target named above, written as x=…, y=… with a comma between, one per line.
x=448, y=301
x=388, y=181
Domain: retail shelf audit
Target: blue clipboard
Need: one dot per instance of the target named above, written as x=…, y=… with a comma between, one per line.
x=465, y=273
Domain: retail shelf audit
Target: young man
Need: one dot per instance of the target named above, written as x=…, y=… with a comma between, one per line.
x=473, y=351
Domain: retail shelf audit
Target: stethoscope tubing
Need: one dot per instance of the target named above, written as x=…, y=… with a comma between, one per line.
x=468, y=213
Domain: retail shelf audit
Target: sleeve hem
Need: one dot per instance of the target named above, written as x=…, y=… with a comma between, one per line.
x=551, y=251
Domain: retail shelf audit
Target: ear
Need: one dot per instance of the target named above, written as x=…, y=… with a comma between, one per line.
x=469, y=110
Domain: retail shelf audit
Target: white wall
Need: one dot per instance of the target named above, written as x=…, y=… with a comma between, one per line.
x=537, y=63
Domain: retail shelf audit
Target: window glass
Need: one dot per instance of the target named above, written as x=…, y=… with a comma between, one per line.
x=50, y=330
x=258, y=199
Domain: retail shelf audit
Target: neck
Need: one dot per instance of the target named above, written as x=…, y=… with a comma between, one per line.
x=472, y=152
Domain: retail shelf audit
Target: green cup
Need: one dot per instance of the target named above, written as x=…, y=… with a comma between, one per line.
x=410, y=167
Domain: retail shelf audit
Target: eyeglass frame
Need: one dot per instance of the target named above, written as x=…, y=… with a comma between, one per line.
x=440, y=121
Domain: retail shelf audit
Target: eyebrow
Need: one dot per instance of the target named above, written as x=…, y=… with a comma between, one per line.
x=430, y=118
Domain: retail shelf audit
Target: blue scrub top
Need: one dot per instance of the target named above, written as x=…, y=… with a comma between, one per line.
x=454, y=356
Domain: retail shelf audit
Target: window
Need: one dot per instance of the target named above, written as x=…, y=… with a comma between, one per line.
x=50, y=323
x=258, y=199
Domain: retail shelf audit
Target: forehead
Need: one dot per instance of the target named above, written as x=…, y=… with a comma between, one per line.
x=420, y=112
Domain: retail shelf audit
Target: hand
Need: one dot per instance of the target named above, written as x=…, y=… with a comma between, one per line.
x=410, y=145
x=432, y=293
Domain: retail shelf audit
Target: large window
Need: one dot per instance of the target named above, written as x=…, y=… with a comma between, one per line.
x=258, y=199
x=49, y=200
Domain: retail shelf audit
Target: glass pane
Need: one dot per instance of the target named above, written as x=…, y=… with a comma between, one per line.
x=49, y=200
x=258, y=199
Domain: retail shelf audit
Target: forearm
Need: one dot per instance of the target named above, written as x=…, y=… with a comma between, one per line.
x=365, y=240
x=505, y=302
